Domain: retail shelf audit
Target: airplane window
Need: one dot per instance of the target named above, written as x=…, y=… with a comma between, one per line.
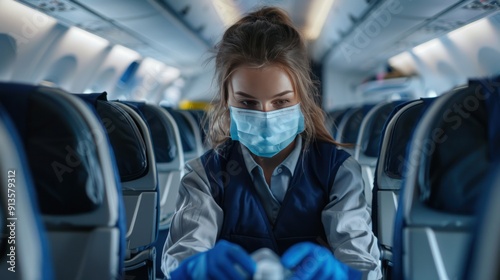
x=128, y=73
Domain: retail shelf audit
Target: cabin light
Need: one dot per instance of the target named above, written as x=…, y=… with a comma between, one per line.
x=316, y=18
x=227, y=11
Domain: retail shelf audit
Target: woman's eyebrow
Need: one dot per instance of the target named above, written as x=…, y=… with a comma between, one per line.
x=250, y=96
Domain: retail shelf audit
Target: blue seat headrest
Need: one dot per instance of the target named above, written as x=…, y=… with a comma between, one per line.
x=337, y=118
x=401, y=136
x=199, y=116
x=162, y=134
x=61, y=156
x=491, y=91
x=376, y=128
x=351, y=130
x=465, y=149
x=187, y=134
x=125, y=138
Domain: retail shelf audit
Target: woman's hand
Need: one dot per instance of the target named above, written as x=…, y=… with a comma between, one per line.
x=224, y=261
x=310, y=261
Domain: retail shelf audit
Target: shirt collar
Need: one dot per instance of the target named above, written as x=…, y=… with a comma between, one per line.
x=290, y=161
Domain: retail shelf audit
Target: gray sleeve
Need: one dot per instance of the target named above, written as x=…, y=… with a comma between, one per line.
x=196, y=222
x=347, y=222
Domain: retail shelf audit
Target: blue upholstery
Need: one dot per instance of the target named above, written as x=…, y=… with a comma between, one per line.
x=169, y=162
x=199, y=116
x=350, y=124
x=368, y=142
x=162, y=133
x=32, y=257
x=396, y=136
x=484, y=253
x=130, y=139
x=74, y=177
x=451, y=152
x=168, y=154
x=189, y=131
x=334, y=118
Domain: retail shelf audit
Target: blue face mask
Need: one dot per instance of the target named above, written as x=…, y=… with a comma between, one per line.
x=266, y=133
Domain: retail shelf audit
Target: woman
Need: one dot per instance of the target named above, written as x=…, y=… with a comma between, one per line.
x=275, y=178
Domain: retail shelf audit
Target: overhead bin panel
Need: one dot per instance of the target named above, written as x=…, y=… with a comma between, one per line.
x=145, y=26
x=423, y=8
x=163, y=35
x=339, y=22
x=120, y=9
x=394, y=26
x=200, y=15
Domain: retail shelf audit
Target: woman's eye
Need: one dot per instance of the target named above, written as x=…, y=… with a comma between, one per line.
x=281, y=102
x=248, y=103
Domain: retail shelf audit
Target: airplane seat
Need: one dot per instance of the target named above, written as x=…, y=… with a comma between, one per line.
x=169, y=164
x=367, y=148
x=395, y=137
x=452, y=149
x=484, y=253
x=333, y=120
x=131, y=142
x=199, y=117
x=25, y=254
x=190, y=135
x=169, y=157
x=75, y=180
x=349, y=126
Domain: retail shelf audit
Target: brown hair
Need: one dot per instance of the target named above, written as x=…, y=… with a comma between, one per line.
x=262, y=38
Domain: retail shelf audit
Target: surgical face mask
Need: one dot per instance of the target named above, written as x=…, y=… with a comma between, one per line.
x=266, y=133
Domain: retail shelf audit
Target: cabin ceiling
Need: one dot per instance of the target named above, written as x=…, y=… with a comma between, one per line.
x=358, y=35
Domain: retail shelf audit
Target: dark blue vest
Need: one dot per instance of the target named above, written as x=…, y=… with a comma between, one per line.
x=299, y=219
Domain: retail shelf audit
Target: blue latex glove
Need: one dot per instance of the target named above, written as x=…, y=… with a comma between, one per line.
x=310, y=261
x=224, y=261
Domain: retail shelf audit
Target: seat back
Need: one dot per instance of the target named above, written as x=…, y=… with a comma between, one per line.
x=75, y=180
x=169, y=157
x=199, y=117
x=130, y=140
x=141, y=194
x=333, y=120
x=484, y=255
x=25, y=254
x=368, y=142
x=396, y=136
x=190, y=134
x=350, y=124
x=449, y=155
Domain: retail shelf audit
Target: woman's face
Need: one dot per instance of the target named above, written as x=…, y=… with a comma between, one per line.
x=265, y=89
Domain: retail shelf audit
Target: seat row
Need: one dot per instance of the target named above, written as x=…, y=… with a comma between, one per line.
x=94, y=181
x=427, y=165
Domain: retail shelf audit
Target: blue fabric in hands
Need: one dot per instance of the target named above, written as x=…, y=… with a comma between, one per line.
x=311, y=261
x=224, y=261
